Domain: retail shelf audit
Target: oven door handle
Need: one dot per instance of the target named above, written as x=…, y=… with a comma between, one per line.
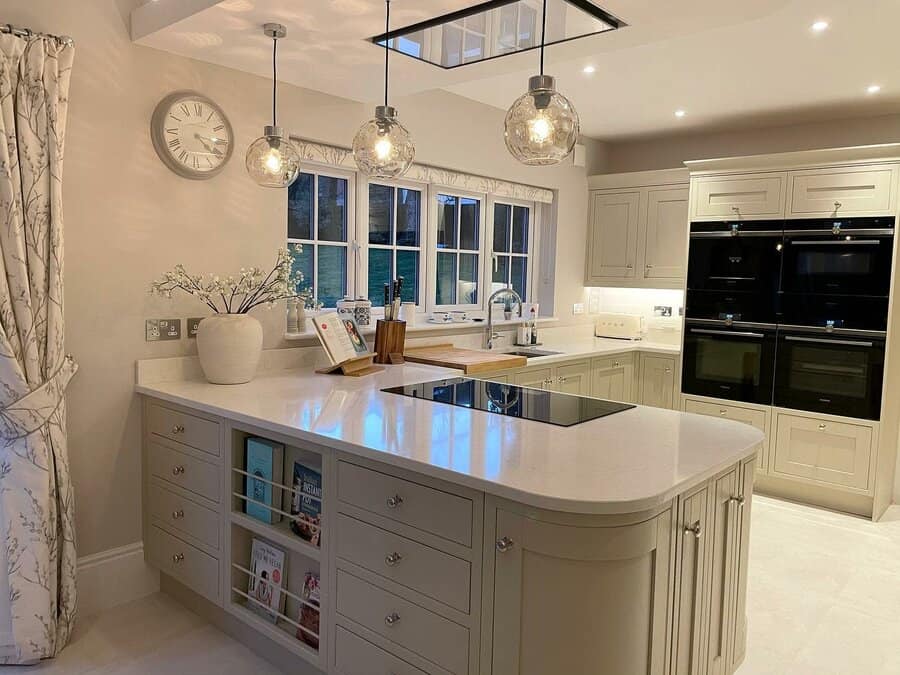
x=707, y=331
x=844, y=343
x=835, y=242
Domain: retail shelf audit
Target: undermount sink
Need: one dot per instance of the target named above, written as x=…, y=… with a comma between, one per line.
x=531, y=353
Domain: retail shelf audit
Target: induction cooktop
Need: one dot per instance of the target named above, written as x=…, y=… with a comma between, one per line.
x=537, y=405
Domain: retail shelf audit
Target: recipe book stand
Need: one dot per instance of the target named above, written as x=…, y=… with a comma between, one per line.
x=356, y=367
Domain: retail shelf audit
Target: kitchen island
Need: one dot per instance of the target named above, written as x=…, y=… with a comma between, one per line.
x=455, y=540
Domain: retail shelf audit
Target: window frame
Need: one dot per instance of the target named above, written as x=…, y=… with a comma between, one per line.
x=485, y=230
x=531, y=286
x=317, y=170
x=363, y=244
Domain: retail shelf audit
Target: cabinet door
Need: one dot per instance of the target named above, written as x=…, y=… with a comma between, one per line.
x=754, y=417
x=613, y=379
x=836, y=454
x=612, y=244
x=538, y=378
x=657, y=381
x=742, y=559
x=756, y=196
x=574, y=378
x=690, y=612
x=860, y=191
x=665, y=244
x=721, y=581
x=580, y=600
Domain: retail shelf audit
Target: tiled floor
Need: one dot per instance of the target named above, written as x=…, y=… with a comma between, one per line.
x=824, y=599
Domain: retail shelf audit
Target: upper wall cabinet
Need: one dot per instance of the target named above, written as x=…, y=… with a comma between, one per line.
x=754, y=197
x=637, y=236
x=845, y=191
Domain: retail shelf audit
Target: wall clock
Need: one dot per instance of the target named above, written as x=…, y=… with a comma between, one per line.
x=191, y=135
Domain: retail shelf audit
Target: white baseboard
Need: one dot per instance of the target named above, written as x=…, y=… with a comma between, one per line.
x=114, y=577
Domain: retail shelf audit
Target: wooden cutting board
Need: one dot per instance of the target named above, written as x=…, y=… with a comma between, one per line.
x=470, y=361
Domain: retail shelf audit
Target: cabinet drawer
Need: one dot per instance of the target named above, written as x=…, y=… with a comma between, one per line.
x=184, y=470
x=759, y=196
x=355, y=656
x=755, y=418
x=195, y=569
x=441, y=513
x=426, y=570
x=435, y=638
x=836, y=454
x=866, y=190
x=184, y=515
x=185, y=428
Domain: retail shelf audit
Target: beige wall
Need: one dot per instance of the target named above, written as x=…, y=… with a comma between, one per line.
x=671, y=151
x=128, y=219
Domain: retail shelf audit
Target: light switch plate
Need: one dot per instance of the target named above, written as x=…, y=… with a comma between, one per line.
x=193, y=324
x=578, y=308
x=162, y=329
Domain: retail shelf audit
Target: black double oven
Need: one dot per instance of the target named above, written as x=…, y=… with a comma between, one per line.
x=791, y=313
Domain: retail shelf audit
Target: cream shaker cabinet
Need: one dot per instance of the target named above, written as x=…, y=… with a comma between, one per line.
x=747, y=197
x=638, y=237
x=581, y=600
x=573, y=378
x=613, y=378
x=657, y=380
x=844, y=191
x=688, y=655
x=536, y=378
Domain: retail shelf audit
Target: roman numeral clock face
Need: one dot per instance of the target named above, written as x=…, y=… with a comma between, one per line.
x=192, y=135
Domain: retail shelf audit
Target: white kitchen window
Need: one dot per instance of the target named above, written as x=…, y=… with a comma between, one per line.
x=393, y=240
x=513, y=244
x=320, y=204
x=456, y=254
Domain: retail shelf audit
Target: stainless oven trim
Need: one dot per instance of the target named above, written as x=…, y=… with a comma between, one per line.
x=828, y=341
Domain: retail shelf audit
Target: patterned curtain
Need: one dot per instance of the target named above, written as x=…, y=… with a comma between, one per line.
x=37, y=563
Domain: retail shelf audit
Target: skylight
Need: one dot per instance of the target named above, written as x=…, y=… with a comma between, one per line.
x=497, y=28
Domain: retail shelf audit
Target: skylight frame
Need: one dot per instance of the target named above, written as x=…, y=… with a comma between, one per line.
x=584, y=5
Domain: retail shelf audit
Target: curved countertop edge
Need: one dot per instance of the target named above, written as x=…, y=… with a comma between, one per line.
x=548, y=502
x=594, y=348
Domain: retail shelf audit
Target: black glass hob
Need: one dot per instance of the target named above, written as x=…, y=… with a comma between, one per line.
x=537, y=405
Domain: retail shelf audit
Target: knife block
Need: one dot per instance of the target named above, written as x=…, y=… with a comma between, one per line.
x=390, y=340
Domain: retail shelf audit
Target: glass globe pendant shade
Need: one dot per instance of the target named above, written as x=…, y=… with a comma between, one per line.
x=383, y=147
x=542, y=126
x=272, y=160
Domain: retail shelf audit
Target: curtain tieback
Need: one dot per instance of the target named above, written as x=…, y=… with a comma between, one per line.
x=34, y=410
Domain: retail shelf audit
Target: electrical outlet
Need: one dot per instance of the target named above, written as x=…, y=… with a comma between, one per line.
x=594, y=305
x=578, y=308
x=193, y=325
x=662, y=310
x=162, y=329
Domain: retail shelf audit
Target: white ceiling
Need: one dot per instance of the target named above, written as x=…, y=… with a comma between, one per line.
x=727, y=63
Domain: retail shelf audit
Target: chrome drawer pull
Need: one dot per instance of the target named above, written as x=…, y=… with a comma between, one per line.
x=178, y=429
x=177, y=470
x=393, y=559
x=695, y=530
x=177, y=514
x=392, y=618
x=505, y=545
x=394, y=502
x=178, y=558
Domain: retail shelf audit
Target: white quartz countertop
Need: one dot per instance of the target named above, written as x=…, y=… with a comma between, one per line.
x=627, y=462
x=592, y=347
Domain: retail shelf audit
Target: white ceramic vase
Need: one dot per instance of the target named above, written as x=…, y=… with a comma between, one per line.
x=229, y=346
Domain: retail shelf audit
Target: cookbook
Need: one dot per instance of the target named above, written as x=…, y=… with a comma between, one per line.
x=266, y=580
x=340, y=336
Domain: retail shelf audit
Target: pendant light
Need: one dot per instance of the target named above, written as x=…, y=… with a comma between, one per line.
x=383, y=147
x=542, y=126
x=272, y=161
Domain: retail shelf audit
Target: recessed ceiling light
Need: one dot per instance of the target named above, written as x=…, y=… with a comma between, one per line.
x=680, y=113
x=873, y=88
x=820, y=26
x=589, y=69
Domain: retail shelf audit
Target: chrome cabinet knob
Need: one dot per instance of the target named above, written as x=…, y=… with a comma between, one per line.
x=694, y=529
x=668, y=370
x=178, y=514
x=392, y=559
x=648, y=266
x=505, y=545
x=394, y=502
x=723, y=412
x=822, y=427
x=178, y=429
x=629, y=267
x=738, y=501
x=178, y=558
x=563, y=379
x=391, y=618
x=616, y=364
x=177, y=470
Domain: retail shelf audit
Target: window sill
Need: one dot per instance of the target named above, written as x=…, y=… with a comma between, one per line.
x=422, y=327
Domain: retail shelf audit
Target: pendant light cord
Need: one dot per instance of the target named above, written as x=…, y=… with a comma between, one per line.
x=543, y=33
x=274, y=80
x=387, y=51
